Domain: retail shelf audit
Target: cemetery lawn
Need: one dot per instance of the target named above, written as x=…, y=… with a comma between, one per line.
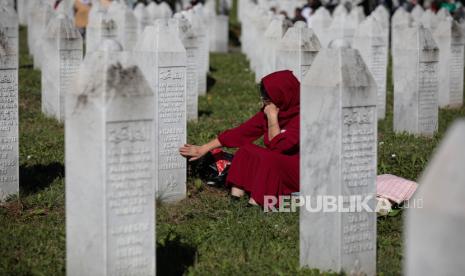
x=205, y=234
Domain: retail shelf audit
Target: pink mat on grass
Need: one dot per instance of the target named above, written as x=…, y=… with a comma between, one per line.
x=394, y=188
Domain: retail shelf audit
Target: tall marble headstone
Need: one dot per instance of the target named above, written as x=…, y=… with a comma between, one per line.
x=429, y=20
x=219, y=34
x=125, y=24
x=200, y=30
x=416, y=82
x=110, y=207
x=320, y=22
x=62, y=45
x=163, y=60
x=143, y=18
x=417, y=13
x=21, y=7
x=338, y=159
x=370, y=41
x=297, y=50
x=273, y=35
x=9, y=168
x=400, y=21
x=450, y=38
x=342, y=27
x=434, y=226
x=41, y=13
x=191, y=43
x=101, y=27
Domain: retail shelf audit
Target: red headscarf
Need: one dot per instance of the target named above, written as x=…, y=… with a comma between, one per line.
x=283, y=88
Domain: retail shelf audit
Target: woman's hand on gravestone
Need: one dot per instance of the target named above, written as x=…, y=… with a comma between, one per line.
x=193, y=152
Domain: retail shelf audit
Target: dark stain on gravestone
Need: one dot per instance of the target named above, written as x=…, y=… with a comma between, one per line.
x=174, y=257
x=38, y=177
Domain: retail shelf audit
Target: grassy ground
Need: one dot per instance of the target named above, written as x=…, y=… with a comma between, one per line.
x=204, y=234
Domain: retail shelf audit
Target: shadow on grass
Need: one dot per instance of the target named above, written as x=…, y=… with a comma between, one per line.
x=210, y=82
x=206, y=113
x=37, y=177
x=174, y=257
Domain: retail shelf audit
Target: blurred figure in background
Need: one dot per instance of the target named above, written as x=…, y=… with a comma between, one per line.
x=81, y=15
x=298, y=16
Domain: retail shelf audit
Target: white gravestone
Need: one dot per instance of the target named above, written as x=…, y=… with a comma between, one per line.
x=9, y=168
x=40, y=18
x=320, y=22
x=125, y=24
x=435, y=220
x=297, y=50
x=449, y=35
x=62, y=45
x=370, y=41
x=101, y=27
x=110, y=207
x=143, y=18
x=163, y=60
x=273, y=35
x=429, y=20
x=219, y=35
x=200, y=31
x=191, y=44
x=338, y=159
x=417, y=13
x=342, y=27
x=400, y=21
x=21, y=6
x=416, y=82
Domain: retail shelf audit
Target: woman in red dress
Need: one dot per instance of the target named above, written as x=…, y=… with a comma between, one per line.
x=258, y=171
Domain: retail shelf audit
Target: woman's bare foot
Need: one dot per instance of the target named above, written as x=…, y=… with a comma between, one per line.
x=253, y=202
x=237, y=192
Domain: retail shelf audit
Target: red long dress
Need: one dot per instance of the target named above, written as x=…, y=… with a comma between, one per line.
x=273, y=170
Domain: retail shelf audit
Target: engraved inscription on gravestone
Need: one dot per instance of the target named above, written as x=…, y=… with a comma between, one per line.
x=456, y=74
x=428, y=87
x=129, y=197
x=171, y=131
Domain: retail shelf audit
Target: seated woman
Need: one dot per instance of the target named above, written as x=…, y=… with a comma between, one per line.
x=258, y=171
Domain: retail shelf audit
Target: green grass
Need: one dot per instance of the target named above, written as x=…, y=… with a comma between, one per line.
x=205, y=234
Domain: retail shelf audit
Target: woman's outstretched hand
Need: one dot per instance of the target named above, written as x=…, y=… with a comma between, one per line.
x=193, y=152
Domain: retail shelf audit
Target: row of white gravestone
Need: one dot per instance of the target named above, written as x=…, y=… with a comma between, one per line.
x=9, y=163
x=428, y=71
x=280, y=51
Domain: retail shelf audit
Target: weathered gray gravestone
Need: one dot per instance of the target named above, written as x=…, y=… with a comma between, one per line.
x=370, y=41
x=339, y=131
x=110, y=208
x=162, y=58
x=449, y=36
x=9, y=168
x=219, y=34
x=62, y=46
x=297, y=50
x=399, y=21
x=191, y=43
x=435, y=224
x=416, y=82
x=342, y=27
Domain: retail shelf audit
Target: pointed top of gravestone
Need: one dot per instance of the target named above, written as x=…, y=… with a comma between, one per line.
x=339, y=10
x=300, y=38
x=450, y=28
x=417, y=12
x=61, y=27
x=276, y=29
x=370, y=27
x=442, y=186
x=443, y=14
x=382, y=10
x=110, y=45
x=323, y=12
x=340, y=67
x=429, y=19
x=165, y=9
x=160, y=38
x=401, y=18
